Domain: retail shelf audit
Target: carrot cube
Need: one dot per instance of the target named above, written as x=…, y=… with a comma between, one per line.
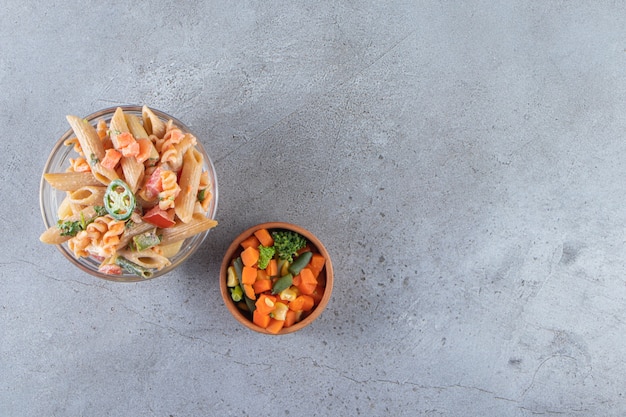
x=250, y=256
x=272, y=268
x=248, y=275
x=290, y=318
x=263, y=235
x=260, y=319
x=251, y=241
x=275, y=325
x=262, y=285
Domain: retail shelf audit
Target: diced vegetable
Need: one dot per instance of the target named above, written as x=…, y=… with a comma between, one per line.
x=281, y=283
x=265, y=304
x=300, y=262
x=280, y=311
x=111, y=158
x=260, y=319
x=288, y=294
x=248, y=275
x=262, y=285
x=264, y=237
x=249, y=292
x=274, y=325
x=250, y=256
x=266, y=253
x=251, y=241
x=145, y=241
x=272, y=268
x=290, y=318
x=236, y=293
x=159, y=217
x=309, y=282
x=317, y=263
x=231, y=277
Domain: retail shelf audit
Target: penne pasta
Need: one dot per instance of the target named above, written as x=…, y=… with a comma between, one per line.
x=189, y=182
x=180, y=231
x=92, y=148
x=152, y=123
x=87, y=195
x=135, y=127
x=148, y=259
x=70, y=181
x=88, y=138
x=134, y=230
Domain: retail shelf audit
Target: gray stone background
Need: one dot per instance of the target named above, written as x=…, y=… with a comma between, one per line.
x=463, y=162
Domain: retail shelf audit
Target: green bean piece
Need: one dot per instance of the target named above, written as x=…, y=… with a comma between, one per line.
x=132, y=267
x=282, y=283
x=300, y=262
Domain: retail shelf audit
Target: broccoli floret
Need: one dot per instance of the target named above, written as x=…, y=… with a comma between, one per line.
x=265, y=254
x=287, y=244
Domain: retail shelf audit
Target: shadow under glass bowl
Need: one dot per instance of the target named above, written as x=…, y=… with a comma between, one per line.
x=51, y=198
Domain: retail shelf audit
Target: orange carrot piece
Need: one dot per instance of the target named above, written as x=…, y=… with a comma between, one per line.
x=307, y=276
x=307, y=288
x=145, y=147
x=250, y=241
x=297, y=280
x=309, y=282
x=308, y=303
x=260, y=319
x=316, y=263
x=264, y=237
x=290, y=318
x=275, y=326
x=272, y=268
x=250, y=256
x=265, y=304
x=261, y=274
x=262, y=285
x=248, y=275
x=111, y=158
x=297, y=304
x=130, y=150
x=249, y=291
x=124, y=139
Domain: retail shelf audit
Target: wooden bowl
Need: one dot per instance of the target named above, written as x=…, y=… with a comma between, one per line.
x=235, y=249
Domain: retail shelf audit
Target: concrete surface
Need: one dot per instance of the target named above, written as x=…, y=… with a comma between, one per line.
x=464, y=163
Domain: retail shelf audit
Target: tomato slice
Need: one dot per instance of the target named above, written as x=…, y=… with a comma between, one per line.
x=153, y=184
x=159, y=217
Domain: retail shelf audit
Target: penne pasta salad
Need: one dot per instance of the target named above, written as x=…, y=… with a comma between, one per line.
x=135, y=190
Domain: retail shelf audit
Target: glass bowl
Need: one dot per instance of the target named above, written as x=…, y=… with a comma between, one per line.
x=51, y=198
x=326, y=274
